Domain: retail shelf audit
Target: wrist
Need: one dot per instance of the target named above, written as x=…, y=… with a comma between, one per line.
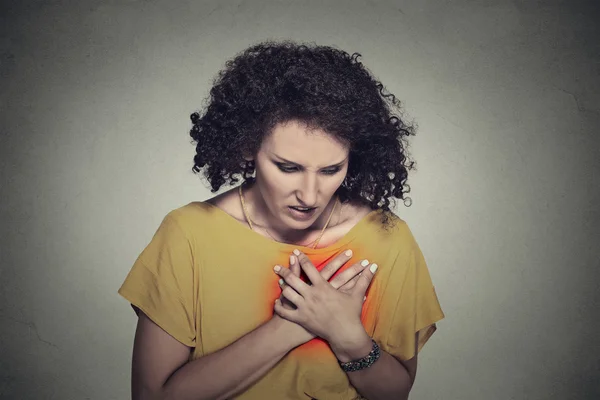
x=352, y=346
x=286, y=332
x=363, y=362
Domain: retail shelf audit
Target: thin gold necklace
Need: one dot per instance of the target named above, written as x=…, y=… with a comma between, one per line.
x=316, y=242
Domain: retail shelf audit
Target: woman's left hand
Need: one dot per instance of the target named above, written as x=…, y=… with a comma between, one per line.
x=332, y=314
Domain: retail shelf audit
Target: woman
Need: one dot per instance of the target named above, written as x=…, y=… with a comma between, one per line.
x=300, y=282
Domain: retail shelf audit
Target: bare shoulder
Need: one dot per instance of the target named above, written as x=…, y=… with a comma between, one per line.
x=228, y=201
x=352, y=212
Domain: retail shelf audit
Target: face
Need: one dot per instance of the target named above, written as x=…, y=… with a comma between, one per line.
x=296, y=168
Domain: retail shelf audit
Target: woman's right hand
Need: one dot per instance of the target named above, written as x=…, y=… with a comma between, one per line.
x=345, y=281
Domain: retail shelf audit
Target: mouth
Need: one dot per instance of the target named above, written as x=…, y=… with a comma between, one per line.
x=302, y=213
x=302, y=209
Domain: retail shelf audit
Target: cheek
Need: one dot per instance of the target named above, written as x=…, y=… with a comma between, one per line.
x=339, y=179
x=329, y=184
x=335, y=183
x=279, y=181
x=278, y=185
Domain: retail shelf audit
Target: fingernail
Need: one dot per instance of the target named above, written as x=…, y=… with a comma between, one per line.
x=296, y=252
x=373, y=268
x=348, y=253
x=364, y=263
x=292, y=260
x=281, y=282
x=277, y=268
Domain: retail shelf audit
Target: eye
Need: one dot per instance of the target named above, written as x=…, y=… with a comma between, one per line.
x=331, y=171
x=286, y=169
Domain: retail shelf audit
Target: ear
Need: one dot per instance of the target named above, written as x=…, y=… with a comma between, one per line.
x=247, y=155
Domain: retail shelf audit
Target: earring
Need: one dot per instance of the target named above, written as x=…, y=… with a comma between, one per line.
x=249, y=169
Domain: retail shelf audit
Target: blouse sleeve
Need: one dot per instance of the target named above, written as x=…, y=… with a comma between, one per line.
x=161, y=282
x=416, y=309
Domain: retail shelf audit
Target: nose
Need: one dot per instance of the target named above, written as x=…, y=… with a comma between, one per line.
x=309, y=190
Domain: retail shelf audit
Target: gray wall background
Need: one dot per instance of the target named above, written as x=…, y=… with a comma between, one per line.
x=95, y=100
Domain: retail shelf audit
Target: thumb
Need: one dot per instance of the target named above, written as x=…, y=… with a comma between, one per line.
x=364, y=280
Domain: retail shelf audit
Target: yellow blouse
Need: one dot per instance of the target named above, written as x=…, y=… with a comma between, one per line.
x=207, y=280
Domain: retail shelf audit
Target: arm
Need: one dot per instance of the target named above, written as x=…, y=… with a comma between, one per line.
x=160, y=367
x=160, y=363
x=387, y=378
x=339, y=324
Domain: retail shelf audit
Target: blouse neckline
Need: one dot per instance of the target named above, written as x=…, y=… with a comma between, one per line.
x=286, y=247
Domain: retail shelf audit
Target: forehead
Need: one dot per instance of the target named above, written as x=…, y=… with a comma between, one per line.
x=308, y=147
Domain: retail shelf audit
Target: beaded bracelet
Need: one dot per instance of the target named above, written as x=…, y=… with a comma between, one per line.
x=364, y=362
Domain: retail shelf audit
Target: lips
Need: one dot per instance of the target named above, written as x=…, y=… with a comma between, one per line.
x=301, y=215
x=302, y=209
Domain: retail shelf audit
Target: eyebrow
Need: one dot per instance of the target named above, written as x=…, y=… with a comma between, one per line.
x=299, y=165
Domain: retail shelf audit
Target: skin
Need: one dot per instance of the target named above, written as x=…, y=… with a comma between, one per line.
x=160, y=367
x=296, y=167
x=334, y=315
x=316, y=166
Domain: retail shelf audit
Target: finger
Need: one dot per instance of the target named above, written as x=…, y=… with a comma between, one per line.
x=294, y=265
x=284, y=300
x=283, y=312
x=292, y=280
x=364, y=281
x=349, y=285
x=287, y=304
x=331, y=268
x=309, y=269
x=292, y=296
x=348, y=274
x=295, y=268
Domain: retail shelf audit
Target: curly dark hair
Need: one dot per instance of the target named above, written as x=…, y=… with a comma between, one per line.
x=320, y=86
